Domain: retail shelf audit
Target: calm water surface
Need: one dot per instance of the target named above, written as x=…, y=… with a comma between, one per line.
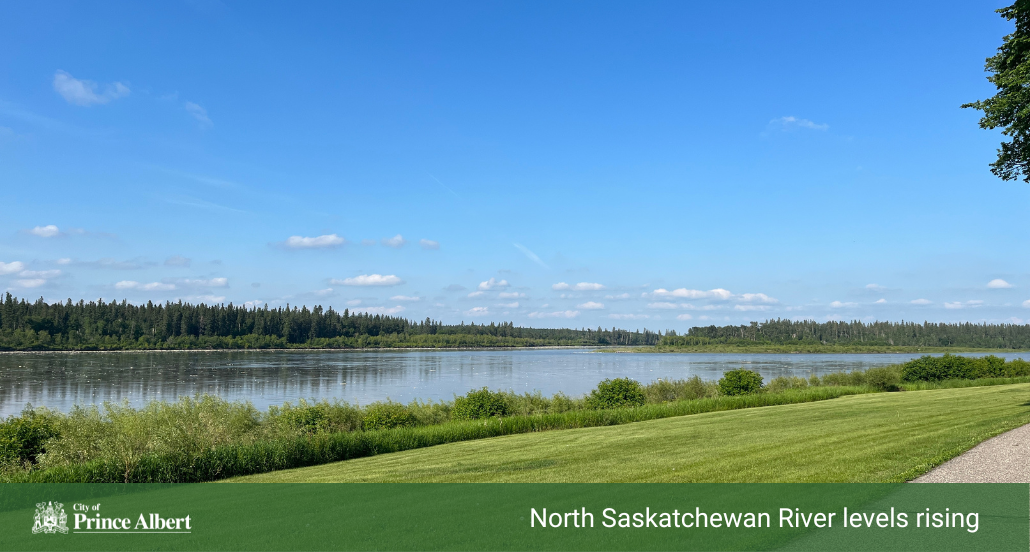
x=60, y=380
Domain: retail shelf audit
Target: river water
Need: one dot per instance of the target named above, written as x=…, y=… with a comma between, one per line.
x=61, y=380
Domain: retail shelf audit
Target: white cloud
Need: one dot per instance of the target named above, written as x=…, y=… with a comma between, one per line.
x=212, y=282
x=510, y=295
x=717, y=293
x=84, y=92
x=756, y=298
x=493, y=284
x=557, y=314
x=921, y=301
x=11, y=267
x=368, y=280
x=662, y=305
x=177, y=260
x=48, y=231
x=354, y=302
x=395, y=242
x=429, y=244
x=379, y=310
x=840, y=305
x=30, y=283
x=590, y=305
x=317, y=242
x=617, y=297
x=751, y=307
x=791, y=122
x=998, y=283
x=628, y=316
x=323, y=292
x=512, y=305
x=206, y=298
x=961, y=305
x=199, y=113
x=405, y=298
x=875, y=287
x=152, y=286
x=582, y=286
x=64, y=261
x=879, y=301
x=1026, y=303
x=478, y=311
x=684, y=317
x=40, y=274
x=476, y=293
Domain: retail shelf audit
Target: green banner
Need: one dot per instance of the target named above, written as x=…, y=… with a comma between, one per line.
x=302, y=517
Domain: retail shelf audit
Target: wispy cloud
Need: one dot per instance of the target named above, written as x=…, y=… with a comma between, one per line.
x=590, y=305
x=177, y=260
x=920, y=301
x=963, y=305
x=476, y=293
x=318, y=242
x=84, y=92
x=791, y=123
x=530, y=255
x=582, y=286
x=510, y=295
x=556, y=314
x=210, y=282
x=429, y=244
x=998, y=283
x=629, y=316
x=842, y=305
x=875, y=287
x=684, y=317
x=493, y=283
x=29, y=282
x=717, y=293
x=152, y=286
x=406, y=298
x=396, y=242
x=199, y=113
x=478, y=311
x=369, y=280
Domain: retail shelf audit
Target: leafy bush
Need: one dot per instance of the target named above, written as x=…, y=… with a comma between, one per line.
x=886, y=378
x=678, y=390
x=23, y=439
x=616, y=393
x=740, y=382
x=478, y=404
x=387, y=415
x=783, y=383
x=1017, y=368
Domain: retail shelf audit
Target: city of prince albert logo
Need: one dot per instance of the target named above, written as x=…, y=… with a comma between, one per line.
x=50, y=518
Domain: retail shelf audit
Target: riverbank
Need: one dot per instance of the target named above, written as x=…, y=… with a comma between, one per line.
x=771, y=348
x=882, y=437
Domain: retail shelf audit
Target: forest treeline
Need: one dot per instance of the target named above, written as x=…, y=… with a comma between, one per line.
x=856, y=333
x=99, y=325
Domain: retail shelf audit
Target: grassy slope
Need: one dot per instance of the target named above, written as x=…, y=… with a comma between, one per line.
x=865, y=438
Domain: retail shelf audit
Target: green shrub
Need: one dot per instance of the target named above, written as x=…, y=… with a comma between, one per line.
x=23, y=439
x=928, y=368
x=616, y=393
x=886, y=378
x=678, y=390
x=1017, y=368
x=387, y=415
x=478, y=404
x=740, y=382
x=783, y=383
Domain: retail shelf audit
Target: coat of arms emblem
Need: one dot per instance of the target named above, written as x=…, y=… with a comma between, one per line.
x=50, y=518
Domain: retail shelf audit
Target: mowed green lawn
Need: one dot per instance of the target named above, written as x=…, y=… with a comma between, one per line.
x=883, y=437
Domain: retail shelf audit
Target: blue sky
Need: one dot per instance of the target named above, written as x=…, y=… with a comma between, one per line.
x=660, y=165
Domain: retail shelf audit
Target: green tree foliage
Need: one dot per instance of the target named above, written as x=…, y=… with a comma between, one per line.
x=478, y=404
x=947, y=367
x=901, y=334
x=617, y=393
x=740, y=382
x=1009, y=108
x=98, y=325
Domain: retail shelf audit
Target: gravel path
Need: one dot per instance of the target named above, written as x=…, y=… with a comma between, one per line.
x=1001, y=459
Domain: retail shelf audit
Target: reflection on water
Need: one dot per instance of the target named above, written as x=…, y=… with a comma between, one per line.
x=60, y=380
